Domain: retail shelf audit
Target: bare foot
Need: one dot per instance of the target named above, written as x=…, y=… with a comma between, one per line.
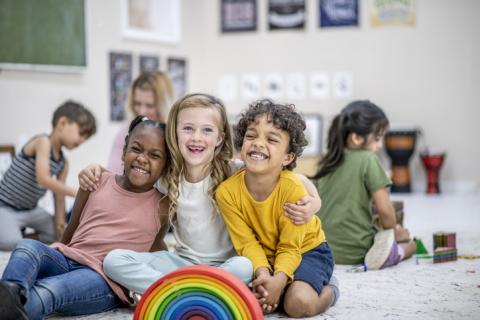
x=401, y=234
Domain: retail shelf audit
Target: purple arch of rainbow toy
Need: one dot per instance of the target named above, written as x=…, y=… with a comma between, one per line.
x=198, y=292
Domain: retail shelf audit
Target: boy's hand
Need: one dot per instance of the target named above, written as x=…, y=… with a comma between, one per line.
x=259, y=290
x=89, y=177
x=274, y=286
x=302, y=211
x=261, y=293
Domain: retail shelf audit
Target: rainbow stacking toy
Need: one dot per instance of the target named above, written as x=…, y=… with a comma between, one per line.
x=198, y=293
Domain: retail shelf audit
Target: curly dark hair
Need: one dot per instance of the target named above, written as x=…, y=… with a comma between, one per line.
x=283, y=116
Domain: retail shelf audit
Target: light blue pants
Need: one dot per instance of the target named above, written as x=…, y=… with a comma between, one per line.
x=12, y=220
x=136, y=271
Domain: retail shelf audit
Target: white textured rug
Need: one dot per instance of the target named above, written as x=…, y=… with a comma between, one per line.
x=408, y=291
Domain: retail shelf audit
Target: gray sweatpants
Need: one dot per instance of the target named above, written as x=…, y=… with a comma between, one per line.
x=11, y=222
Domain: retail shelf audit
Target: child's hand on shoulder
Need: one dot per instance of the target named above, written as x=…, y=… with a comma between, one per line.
x=302, y=211
x=89, y=177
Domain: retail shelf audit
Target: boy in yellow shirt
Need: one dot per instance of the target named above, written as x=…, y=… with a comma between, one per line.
x=290, y=261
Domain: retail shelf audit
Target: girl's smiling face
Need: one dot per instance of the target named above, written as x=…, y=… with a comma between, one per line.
x=198, y=135
x=144, y=159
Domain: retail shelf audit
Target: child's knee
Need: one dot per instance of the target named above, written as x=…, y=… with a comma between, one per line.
x=245, y=269
x=299, y=300
x=9, y=238
x=297, y=305
x=113, y=260
x=9, y=244
x=29, y=245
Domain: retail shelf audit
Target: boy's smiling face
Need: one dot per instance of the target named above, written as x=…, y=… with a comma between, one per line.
x=265, y=147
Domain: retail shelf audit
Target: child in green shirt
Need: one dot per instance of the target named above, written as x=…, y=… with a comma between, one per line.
x=350, y=176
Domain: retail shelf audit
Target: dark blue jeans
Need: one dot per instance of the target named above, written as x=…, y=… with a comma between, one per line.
x=55, y=284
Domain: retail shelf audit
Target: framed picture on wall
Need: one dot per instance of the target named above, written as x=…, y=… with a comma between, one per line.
x=120, y=79
x=148, y=63
x=338, y=13
x=286, y=14
x=239, y=15
x=393, y=13
x=151, y=20
x=177, y=70
x=313, y=134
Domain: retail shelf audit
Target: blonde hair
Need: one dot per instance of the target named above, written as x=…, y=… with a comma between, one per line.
x=218, y=169
x=161, y=86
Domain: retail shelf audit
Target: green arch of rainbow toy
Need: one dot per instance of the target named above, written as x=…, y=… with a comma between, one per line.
x=198, y=292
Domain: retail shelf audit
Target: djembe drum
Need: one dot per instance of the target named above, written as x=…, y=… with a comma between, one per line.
x=400, y=145
x=432, y=163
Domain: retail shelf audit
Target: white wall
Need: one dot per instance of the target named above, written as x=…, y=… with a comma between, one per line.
x=427, y=75
x=28, y=99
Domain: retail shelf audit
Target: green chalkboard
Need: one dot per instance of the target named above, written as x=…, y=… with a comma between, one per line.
x=42, y=32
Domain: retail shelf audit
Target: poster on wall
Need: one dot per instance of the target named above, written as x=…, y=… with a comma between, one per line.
x=148, y=63
x=338, y=13
x=319, y=85
x=393, y=13
x=120, y=79
x=343, y=84
x=250, y=86
x=151, y=20
x=296, y=86
x=239, y=15
x=177, y=70
x=274, y=85
x=286, y=14
x=227, y=87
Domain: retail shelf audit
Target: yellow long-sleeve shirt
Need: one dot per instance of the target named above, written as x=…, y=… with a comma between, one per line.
x=260, y=231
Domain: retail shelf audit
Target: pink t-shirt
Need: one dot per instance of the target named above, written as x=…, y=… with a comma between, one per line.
x=113, y=218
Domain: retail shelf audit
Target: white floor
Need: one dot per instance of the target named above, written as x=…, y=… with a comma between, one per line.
x=410, y=290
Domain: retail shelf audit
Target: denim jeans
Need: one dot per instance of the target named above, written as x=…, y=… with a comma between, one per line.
x=55, y=284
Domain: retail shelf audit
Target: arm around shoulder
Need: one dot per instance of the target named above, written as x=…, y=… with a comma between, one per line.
x=305, y=208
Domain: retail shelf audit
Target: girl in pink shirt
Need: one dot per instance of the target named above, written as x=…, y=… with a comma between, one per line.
x=124, y=212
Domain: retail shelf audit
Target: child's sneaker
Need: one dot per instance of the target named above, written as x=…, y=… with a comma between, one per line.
x=11, y=306
x=336, y=290
x=135, y=297
x=380, y=251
